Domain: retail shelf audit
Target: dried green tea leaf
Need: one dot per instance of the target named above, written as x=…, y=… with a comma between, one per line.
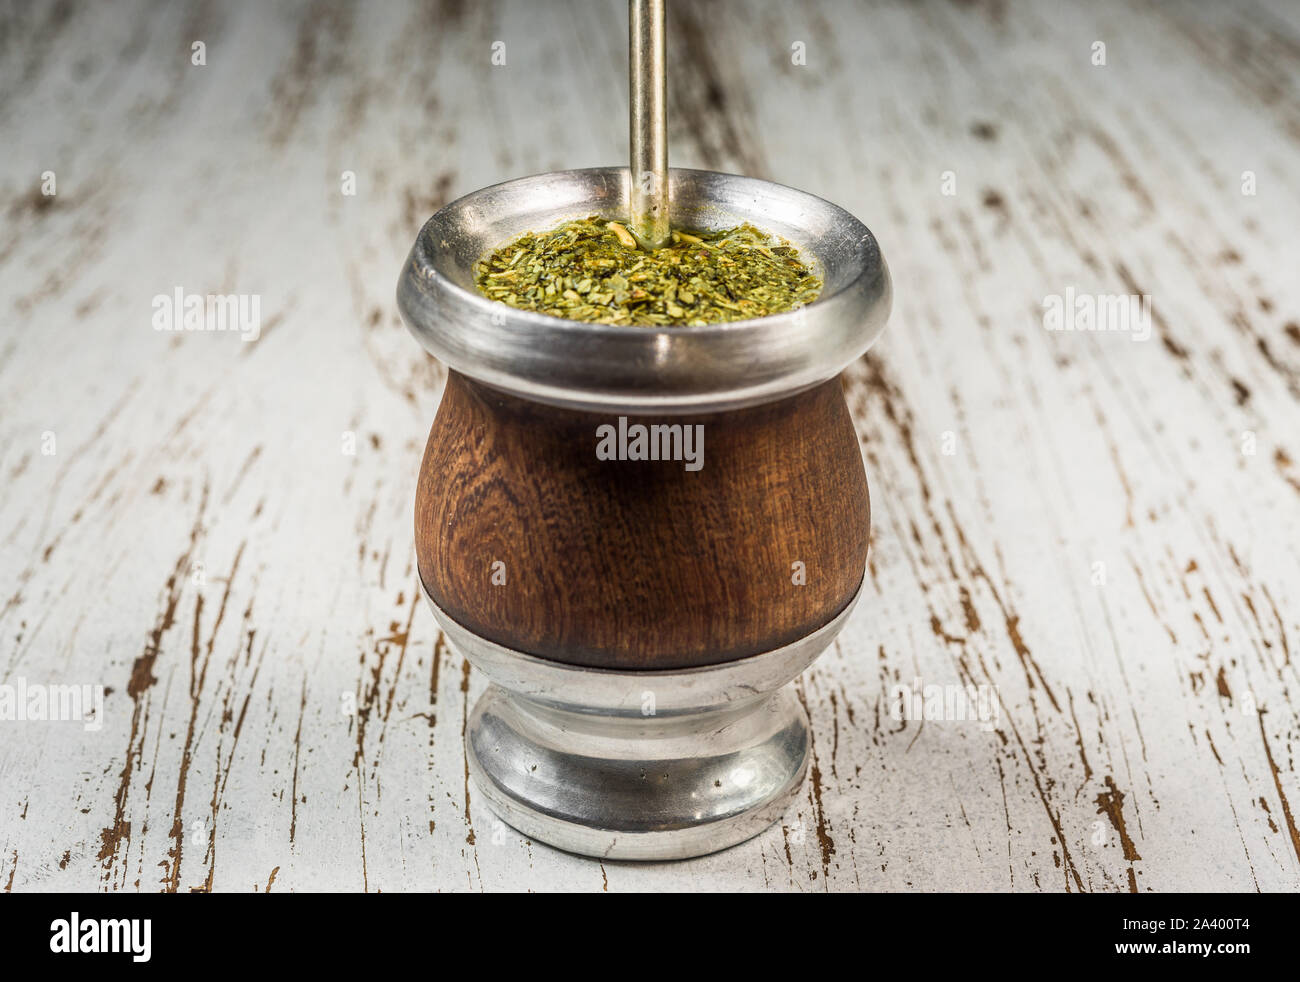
x=592, y=270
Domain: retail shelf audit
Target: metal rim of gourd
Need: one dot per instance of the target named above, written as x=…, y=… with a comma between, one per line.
x=644, y=370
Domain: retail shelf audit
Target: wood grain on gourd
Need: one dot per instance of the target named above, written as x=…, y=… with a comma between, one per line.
x=1068, y=519
x=640, y=564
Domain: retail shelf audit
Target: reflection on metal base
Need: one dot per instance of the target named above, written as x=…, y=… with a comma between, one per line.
x=638, y=765
x=627, y=789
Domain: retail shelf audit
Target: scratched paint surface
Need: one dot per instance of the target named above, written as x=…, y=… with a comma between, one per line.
x=1073, y=519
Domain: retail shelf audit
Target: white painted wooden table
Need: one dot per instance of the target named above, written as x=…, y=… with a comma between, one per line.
x=1104, y=529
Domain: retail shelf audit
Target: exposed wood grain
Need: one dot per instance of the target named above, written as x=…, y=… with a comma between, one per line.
x=1104, y=532
x=755, y=537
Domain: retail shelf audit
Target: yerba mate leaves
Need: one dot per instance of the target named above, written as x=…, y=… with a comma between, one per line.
x=592, y=270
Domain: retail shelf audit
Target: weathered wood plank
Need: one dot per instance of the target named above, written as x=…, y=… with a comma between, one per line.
x=1073, y=520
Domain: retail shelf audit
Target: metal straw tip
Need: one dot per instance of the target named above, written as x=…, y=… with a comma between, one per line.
x=648, y=122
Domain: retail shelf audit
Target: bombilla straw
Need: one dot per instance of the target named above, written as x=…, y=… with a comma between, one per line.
x=648, y=119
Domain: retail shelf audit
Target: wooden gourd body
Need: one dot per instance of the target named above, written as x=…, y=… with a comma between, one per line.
x=528, y=539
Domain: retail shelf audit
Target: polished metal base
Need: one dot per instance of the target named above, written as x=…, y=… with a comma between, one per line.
x=638, y=765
